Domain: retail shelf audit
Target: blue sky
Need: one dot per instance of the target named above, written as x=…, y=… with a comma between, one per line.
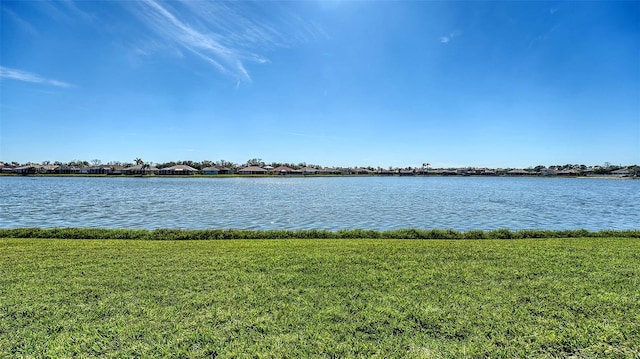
x=498, y=84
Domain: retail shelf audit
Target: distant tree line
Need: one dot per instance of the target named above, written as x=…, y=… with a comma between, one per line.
x=605, y=169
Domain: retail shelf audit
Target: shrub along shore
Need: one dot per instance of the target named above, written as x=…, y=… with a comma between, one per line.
x=225, y=234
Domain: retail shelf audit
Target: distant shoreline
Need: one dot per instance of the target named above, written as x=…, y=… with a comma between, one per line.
x=250, y=234
x=86, y=175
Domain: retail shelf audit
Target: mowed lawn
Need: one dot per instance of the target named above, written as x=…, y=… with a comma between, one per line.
x=320, y=298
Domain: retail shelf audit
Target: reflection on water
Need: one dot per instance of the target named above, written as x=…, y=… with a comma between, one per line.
x=327, y=203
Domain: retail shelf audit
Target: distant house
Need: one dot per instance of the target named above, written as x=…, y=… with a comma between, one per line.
x=138, y=170
x=329, y=171
x=34, y=169
x=100, y=170
x=622, y=172
x=27, y=169
x=593, y=170
x=6, y=168
x=359, y=171
x=282, y=170
x=69, y=170
x=547, y=172
x=406, y=173
x=484, y=172
x=309, y=171
x=224, y=171
x=568, y=172
x=518, y=172
x=252, y=170
x=210, y=171
x=117, y=170
x=181, y=170
x=448, y=172
x=268, y=168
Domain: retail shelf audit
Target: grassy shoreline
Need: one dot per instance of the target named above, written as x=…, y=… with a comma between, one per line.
x=365, y=298
x=227, y=234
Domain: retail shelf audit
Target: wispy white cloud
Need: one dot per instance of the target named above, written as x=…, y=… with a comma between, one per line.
x=226, y=35
x=23, y=24
x=19, y=75
x=544, y=36
x=65, y=11
x=447, y=38
x=76, y=12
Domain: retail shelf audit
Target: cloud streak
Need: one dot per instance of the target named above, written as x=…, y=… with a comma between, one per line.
x=19, y=75
x=225, y=35
x=166, y=24
x=445, y=39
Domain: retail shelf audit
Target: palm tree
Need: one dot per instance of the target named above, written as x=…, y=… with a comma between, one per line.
x=145, y=168
x=426, y=164
x=140, y=162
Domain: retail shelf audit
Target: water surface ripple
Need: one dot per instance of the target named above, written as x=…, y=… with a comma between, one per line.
x=461, y=203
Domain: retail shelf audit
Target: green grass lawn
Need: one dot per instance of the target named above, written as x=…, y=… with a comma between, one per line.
x=320, y=298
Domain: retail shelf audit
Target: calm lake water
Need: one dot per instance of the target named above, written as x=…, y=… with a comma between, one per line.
x=461, y=203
